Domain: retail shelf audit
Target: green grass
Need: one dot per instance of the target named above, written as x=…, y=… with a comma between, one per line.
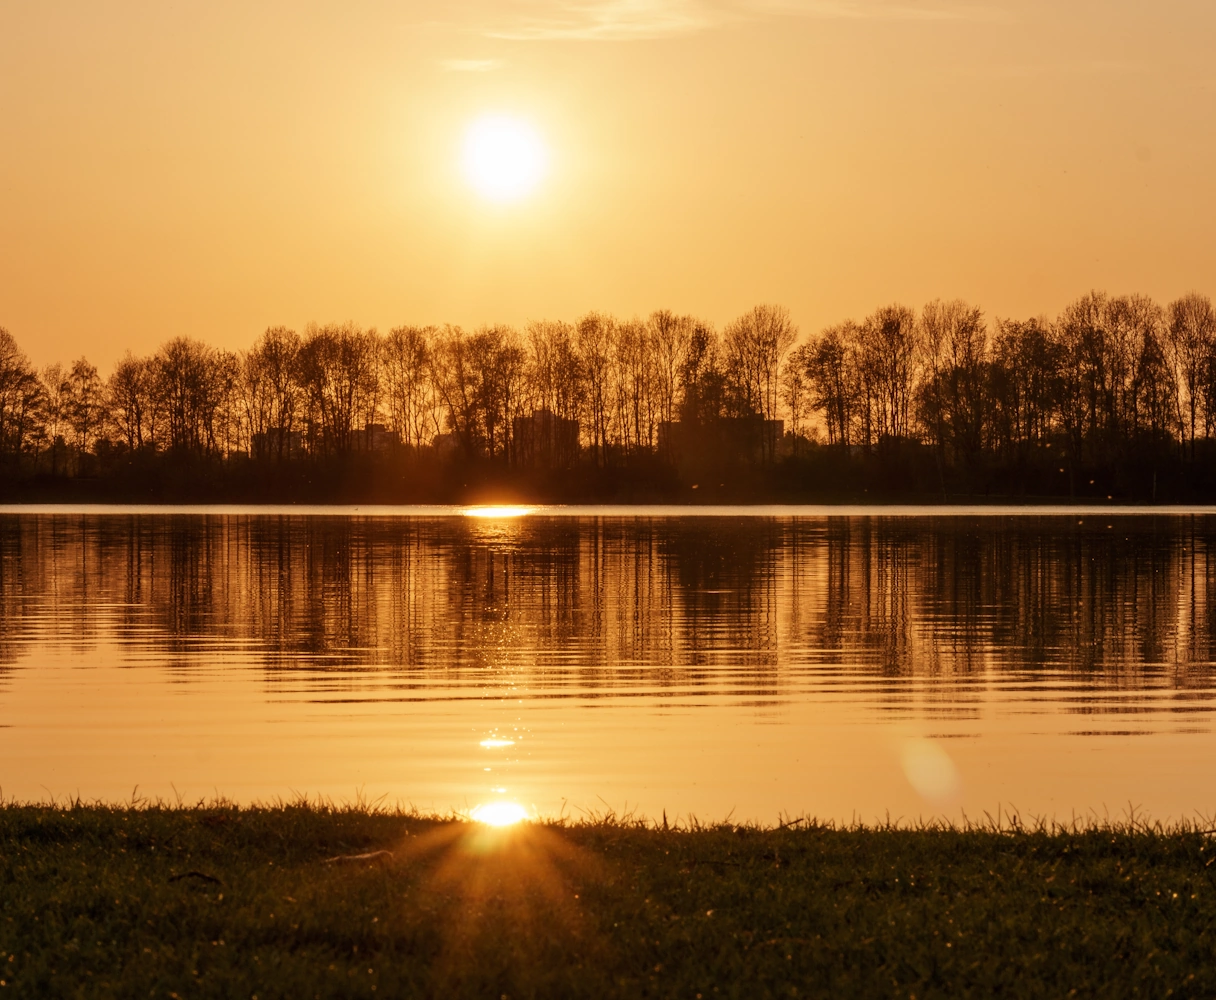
x=98, y=901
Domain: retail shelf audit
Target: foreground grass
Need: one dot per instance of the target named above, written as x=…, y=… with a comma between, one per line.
x=227, y=902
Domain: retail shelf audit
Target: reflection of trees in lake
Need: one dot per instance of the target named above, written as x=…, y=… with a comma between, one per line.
x=586, y=603
x=959, y=593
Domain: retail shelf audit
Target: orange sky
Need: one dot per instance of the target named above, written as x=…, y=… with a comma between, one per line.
x=210, y=169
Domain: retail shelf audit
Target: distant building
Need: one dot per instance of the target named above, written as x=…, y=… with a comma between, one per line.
x=273, y=444
x=378, y=437
x=748, y=439
x=543, y=440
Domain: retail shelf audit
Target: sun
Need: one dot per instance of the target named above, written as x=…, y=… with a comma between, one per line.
x=499, y=813
x=504, y=158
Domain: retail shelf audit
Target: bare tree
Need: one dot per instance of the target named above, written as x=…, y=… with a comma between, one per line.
x=339, y=371
x=670, y=339
x=455, y=386
x=1136, y=325
x=596, y=334
x=1023, y=388
x=129, y=401
x=1191, y=334
x=555, y=371
x=832, y=377
x=495, y=362
x=702, y=380
x=408, y=387
x=226, y=432
x=887, y=365
x=21, y=400
x=188, y=383
x=954, y=343
x=271, y=392
x=554, y=384
x=755, y=345
x=795, y=385
x=634, y=407
x=85, y=405
x=56, y=398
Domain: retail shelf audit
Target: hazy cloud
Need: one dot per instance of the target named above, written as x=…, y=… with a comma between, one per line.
x=470, y=65
x=877, y=10
x=612, y=20
x=615, y=20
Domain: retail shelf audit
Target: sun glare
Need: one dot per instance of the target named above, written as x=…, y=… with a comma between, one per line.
x=504, y=158
x=499, y=813
x=502, y=511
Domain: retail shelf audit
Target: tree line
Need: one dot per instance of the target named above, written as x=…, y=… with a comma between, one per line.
x=1114, y=383
x=1116, y=389
x=331, y=391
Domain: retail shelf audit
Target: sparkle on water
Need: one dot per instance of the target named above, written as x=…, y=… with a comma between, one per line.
x=493, y=743
x=499, y=813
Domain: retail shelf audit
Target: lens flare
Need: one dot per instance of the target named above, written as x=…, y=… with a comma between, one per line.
x=500, y=511
x=499, y=813
x=930, y=770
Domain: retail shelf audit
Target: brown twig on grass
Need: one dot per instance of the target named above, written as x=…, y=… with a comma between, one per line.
x=192, y=874
x=348, y=859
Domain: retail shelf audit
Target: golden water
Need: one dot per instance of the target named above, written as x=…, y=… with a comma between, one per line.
x=764, y=661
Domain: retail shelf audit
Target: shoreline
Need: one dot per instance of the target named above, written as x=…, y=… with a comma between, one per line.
x=614, y=509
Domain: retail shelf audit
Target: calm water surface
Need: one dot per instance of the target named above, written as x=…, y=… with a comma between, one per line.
x=768, y=662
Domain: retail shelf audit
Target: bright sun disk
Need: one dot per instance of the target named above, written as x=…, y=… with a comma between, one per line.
x=499, y=813
x=504, y=158
x=499, y=511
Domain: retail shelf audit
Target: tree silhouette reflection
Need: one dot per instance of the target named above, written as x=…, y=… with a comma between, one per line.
x=741, y=607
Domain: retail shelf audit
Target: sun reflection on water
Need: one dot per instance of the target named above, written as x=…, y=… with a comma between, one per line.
x=505, y=510
x=499, y=813
x=494, y=742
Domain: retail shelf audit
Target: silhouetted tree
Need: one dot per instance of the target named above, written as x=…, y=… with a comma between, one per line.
x=21, y=401
x=954, y=394
x=495, y=361
x=128, y=397
x=53, y=426
x=634, y=406
x=596, y=335
x=754, y=346
x=408, y=386
x=1191, y=336
x=339, y=372
x=555, y=380
x=1024, y=389
x=670, y=341
x=555, y=369
x=833, y=377
x=887, y=361
x=1114, y=388
x=702, y=382
x=271, y=392
x=795, y=385
x=85, y=405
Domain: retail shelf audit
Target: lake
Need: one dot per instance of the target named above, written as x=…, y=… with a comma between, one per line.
x=747, y=662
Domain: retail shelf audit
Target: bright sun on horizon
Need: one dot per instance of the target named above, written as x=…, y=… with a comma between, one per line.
x=504, y=158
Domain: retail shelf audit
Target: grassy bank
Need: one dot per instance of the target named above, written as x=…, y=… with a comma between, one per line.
x=223, y=902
